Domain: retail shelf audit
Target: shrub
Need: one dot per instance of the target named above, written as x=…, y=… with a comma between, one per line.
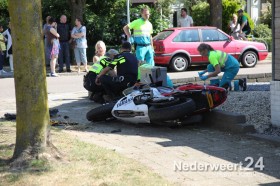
x=230, y=7
x=267, y=41
x=201, y=14
x=267, y=16
x=262, y=31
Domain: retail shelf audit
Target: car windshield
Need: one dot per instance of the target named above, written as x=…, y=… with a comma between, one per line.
x=187, y=36
x=163, y=35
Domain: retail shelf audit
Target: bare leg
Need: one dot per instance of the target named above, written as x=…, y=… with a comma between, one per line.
x=85, y=65
x=53, y=64
x=79, y=67
x=11, y=62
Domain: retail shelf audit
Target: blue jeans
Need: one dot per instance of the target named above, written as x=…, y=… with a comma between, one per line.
x=64, y=55
x=2, y=59
x=47, y=57
x=229, y=72
x=80, y=55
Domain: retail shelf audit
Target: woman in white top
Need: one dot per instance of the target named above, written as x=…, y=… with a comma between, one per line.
x=234, y=27
x=100, y=50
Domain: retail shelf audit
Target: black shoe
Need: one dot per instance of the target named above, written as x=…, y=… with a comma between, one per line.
x=243, y=83
x=60, y=71
x=69, y=70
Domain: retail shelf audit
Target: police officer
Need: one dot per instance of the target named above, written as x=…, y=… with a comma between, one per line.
x=89, y=79
x=127, y=70
x=142, y=29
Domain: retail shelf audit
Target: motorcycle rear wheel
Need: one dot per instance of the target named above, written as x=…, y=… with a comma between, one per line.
x=101, y=113
x=172, y=112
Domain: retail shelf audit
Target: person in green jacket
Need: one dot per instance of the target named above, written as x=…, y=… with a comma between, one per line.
x=221, y=62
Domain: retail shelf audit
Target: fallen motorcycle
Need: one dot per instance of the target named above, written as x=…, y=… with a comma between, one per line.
x=161, y=104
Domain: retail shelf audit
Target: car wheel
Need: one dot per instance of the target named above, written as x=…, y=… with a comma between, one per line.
x=179, y=63
x=249, y=59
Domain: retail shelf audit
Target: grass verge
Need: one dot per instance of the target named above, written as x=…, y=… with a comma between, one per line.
x=82, y=164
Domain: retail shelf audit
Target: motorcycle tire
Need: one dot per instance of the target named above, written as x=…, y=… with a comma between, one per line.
x=101, y=113
x=172, y=112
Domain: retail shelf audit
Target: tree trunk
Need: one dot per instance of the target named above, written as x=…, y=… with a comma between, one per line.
x=216, y=13
x=77, y=9
x=30, y=78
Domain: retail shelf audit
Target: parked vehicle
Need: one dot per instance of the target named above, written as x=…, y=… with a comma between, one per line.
x=161, y=104
x=177, y=47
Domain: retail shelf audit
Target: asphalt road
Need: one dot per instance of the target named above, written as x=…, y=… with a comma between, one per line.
x=68, y=84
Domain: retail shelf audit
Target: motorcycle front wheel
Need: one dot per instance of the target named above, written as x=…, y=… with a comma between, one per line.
x=101, y=113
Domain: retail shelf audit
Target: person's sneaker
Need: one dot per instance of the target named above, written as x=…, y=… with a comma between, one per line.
x=54, y=75
x=3, y=72
x=243, y=83
x=69, y=70
x=60, y=70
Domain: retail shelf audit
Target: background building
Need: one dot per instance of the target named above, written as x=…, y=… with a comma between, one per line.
x=275, y=83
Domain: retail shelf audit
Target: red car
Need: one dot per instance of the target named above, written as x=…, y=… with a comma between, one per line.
x=177, y=47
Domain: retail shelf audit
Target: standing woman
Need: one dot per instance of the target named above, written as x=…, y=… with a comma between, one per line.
x=52, y=45
x=221, y=62
x=9, y=52
x=79, y=36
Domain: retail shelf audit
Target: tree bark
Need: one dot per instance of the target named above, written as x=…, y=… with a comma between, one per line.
x=216, y=13
x=30, y=77
x=77, y=9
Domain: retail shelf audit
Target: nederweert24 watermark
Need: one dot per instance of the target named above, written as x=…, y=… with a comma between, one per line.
x=249, y=164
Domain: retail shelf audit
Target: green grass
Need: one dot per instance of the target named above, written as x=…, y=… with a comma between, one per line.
x=81, y=164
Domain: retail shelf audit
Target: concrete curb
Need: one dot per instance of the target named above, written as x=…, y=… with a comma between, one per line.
x=275, y=140
x=252, y=78
x=227, y=121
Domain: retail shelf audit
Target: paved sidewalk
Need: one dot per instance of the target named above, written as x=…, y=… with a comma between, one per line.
x=192, y=148
x=163, y=149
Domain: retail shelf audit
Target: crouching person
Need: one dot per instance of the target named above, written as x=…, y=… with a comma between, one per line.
x=127, y=70
x=221, y=62
x=96, y=90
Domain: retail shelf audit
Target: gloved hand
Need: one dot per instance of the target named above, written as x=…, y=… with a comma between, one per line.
x=203, y=78
x=131, y=40
x=201, y=73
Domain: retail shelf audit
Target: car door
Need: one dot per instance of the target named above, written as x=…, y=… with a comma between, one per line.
x=189, y=41
x=218, y=40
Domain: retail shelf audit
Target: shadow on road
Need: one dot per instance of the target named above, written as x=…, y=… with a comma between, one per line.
x=223, y=145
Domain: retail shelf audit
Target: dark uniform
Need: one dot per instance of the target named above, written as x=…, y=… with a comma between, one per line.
x=127, y=71
x=94, y=70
